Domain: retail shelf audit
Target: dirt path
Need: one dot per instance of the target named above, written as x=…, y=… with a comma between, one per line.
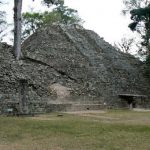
x=93, y=114
x=141, y=110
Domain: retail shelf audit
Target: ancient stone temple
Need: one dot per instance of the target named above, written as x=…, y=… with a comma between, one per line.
x=67, y=68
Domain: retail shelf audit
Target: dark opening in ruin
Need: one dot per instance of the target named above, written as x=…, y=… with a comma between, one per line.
x=131, y=99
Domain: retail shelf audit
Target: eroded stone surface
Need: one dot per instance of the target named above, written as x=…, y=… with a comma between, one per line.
x=87, y=67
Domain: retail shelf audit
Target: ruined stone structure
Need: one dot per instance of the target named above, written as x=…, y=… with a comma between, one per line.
x=67, y=68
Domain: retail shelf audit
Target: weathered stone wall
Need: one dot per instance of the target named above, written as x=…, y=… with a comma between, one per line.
x=69, y=65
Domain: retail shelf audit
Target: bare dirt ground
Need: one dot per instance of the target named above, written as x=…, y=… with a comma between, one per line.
x=135, y=116
x=92, y=113
x=103, y=115
x=87, y=112
x=58, y=115
x=141, y=110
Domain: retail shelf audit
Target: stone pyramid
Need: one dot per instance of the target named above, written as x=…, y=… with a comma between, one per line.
x=66, y=65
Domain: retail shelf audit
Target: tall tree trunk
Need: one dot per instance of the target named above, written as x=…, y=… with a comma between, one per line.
x=17, y=28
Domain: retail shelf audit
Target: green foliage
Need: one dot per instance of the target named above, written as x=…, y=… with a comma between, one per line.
x=53, y=2
x=67, y=15
x=141, y=23
x=147, y=69
x=148, y=59
x=134, y=4
x=140, y=16
x=61, y=15
x=31, y=21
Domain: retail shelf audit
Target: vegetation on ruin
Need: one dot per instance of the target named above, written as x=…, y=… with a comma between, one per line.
x=59, y=15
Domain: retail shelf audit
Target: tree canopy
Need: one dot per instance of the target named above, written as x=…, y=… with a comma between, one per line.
x=18, y=21
x=141, y=23
x=134, y=4
x=60, y=14
x=140, y=16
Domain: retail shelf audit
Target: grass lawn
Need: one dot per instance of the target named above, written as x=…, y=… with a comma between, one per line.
x=110, y=130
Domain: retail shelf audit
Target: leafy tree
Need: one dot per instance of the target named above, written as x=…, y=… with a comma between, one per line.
x=134, y=4
x=30, y=22
x=17, y=45
x=67, y=15
x=141, y=23
x=53, y=2
x=61, y=15
x=140, y=16
x=17, y=24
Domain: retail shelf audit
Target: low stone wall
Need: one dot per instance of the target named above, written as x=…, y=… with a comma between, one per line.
x=33, y=107
x=83, y=107
x=37, y=107
x=73, y=107
x=44, y=107
x=58, y=107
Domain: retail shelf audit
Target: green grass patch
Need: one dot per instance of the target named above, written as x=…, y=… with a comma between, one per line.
x=113, y=130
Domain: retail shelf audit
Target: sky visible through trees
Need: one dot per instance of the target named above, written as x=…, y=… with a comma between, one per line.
x=111, y=25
